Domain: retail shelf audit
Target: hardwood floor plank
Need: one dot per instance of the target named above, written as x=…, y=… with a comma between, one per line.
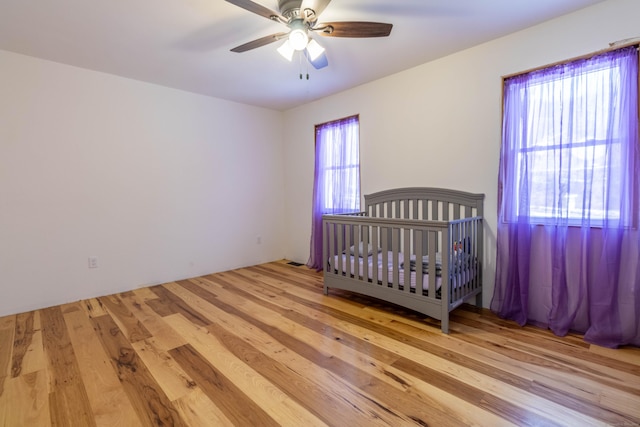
x=165, y=337
x=145, y=294
x=93, y=308
x=628, y=355
x=7, y=330
x=25, y=401
x=148, y=399
x=22, y=342
x=108, y=399
x=129, y=325
x=236, y=406
x=167, y=304
x=603, y=413
x=263, y=345
x=526, y=335
x=68, y=400
x=199, y=411
x=168, y=374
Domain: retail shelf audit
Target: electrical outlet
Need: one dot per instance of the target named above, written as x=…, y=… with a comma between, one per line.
x=93, y=262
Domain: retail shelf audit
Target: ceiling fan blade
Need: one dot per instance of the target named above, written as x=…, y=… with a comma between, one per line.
x=318, y=63
x=316, y=5
x=259, y=42
x=257, y=9
x=353, y=29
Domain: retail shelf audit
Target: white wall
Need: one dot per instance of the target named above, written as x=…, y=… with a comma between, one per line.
x=439, y=124
x=157, y=183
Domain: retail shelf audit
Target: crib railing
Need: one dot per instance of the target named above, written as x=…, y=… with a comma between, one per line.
x=385, y=246
x=465, y=259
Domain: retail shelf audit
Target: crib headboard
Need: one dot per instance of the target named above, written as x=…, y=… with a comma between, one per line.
x=436, y=204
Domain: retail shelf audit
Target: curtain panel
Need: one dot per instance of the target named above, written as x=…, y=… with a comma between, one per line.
x=568, y=192
x=336, y=184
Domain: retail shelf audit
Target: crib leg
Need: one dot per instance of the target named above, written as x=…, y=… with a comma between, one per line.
x=444, y=324
x=326, y=290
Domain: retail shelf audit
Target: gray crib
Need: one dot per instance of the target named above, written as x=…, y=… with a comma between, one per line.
x=420, y=248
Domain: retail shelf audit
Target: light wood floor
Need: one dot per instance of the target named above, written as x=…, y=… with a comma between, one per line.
x=263, y=346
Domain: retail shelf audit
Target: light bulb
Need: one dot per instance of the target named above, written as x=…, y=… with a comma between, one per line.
x=298, y=39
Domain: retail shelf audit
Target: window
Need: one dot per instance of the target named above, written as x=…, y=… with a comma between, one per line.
x=337, y=177
x=565, y=134
x=338, y=165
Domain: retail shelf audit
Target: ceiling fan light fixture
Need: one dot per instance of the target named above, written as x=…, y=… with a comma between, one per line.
x=286, y=50
x=301, y=18
x=298, y=39
x=314, y=49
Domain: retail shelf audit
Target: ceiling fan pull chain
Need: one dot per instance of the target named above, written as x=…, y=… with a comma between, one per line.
x=300, y=64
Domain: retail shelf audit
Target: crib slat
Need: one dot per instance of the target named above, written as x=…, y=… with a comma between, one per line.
x=432, y=264
x=339, y=246
x=407, y=270
x=356, y=243
x=325, y=248
x=474, y=255
x=470, y=256
x=367, y=257
x=395, y=244
x=332, y=240
x=349, y=229
x=375, y=233
x=385, y=256
x=453, y=245
x=457, y=275
x=421, y=238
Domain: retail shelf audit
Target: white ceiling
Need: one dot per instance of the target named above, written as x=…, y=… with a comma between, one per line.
x=185, y=44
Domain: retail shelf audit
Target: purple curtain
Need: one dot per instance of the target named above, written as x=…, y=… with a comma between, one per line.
x=568, y=200
x=336, y=186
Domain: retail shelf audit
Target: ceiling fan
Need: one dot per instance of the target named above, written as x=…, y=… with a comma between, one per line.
x=301, y=16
